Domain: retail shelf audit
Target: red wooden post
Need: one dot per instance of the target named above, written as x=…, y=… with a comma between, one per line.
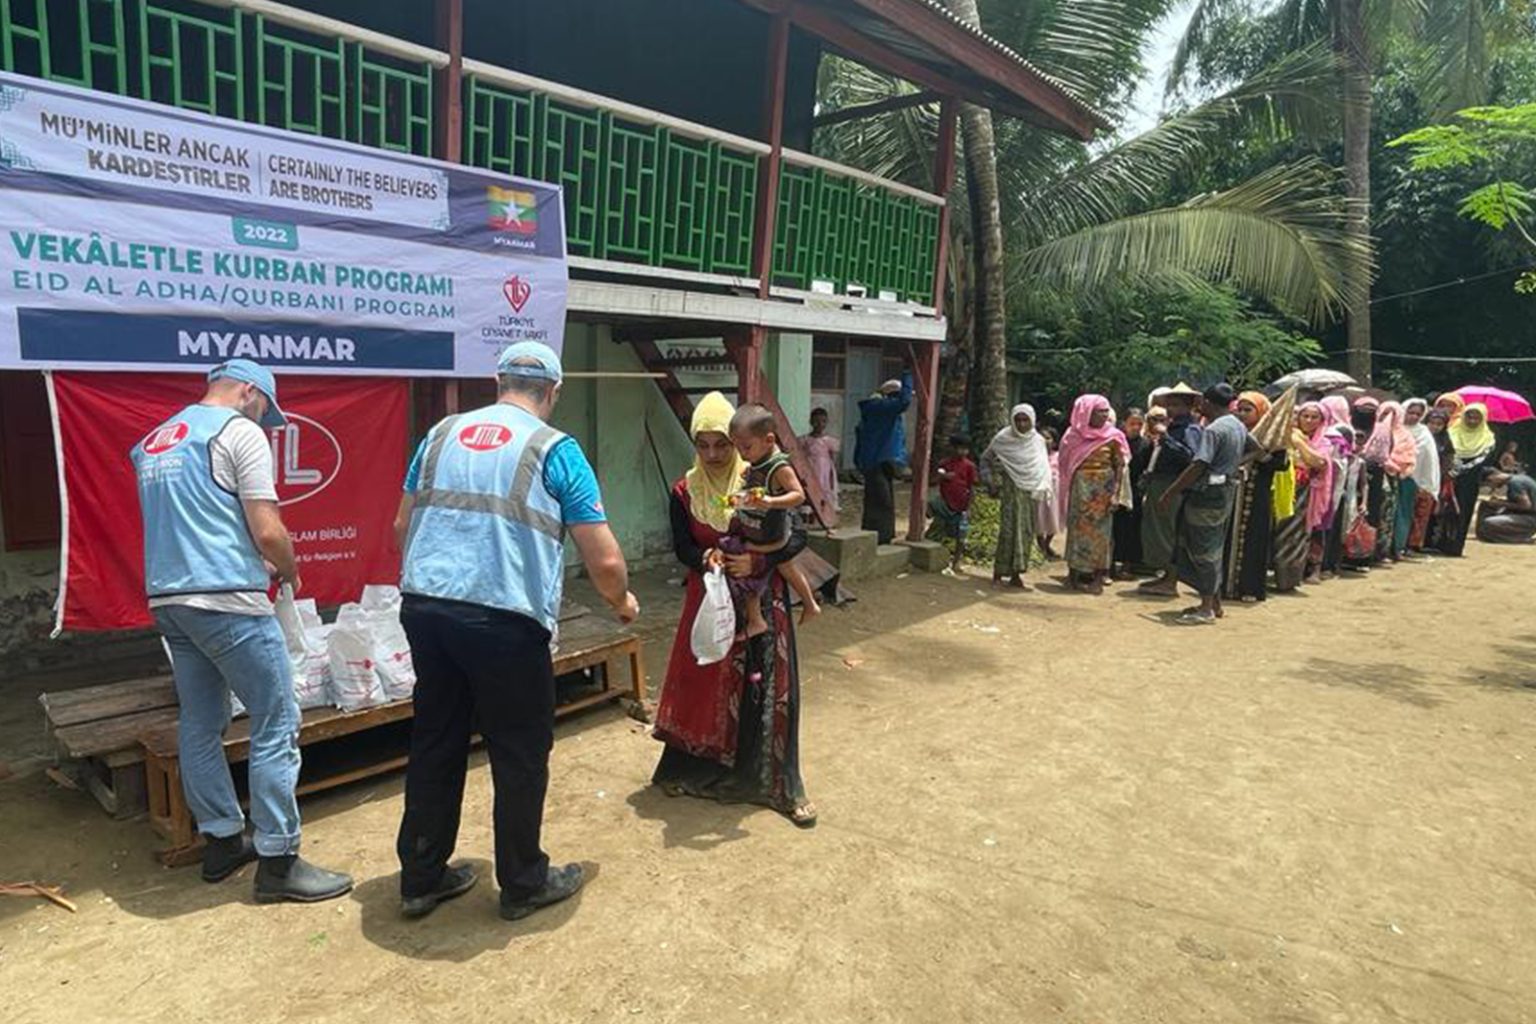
x=925, y=371
x=448, y=119
x=943, y=181
x=773, y=132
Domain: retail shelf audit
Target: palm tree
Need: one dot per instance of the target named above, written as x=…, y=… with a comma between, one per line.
x=1454, y=37
x=1072, y=222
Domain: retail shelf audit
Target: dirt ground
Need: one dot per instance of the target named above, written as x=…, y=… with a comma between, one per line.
x=1035, y=807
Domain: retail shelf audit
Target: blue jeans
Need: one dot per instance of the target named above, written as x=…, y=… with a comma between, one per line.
x=213, y=653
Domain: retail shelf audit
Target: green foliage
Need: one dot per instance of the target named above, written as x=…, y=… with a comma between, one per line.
x=1136, y=338
x=986, y=521
x=1497, y=204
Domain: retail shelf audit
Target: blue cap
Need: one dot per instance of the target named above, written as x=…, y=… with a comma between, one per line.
x=251, y=373
x=548, y=367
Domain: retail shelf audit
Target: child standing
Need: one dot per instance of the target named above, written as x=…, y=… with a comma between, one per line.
x=770, y=491
x=822, y=450
x=951, y=507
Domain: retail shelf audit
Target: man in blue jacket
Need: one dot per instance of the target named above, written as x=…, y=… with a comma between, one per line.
x=880, y=450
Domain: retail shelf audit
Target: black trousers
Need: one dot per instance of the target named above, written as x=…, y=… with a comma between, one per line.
x=880, y=501
x=477, y=668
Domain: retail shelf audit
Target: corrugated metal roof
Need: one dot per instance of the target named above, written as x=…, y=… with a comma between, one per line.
x=937, y=7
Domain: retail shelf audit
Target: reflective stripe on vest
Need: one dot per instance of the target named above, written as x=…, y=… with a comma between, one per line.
x=514, y=505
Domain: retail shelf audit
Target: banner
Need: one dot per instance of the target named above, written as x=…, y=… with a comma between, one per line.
x=135, y=236
x=339, y=463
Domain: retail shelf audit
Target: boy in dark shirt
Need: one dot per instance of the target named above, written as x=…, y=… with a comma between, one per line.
x=957, y=476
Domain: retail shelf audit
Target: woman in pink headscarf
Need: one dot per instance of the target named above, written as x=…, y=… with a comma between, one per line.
x=1094, y=456
x=1392, y=443
x=1348, y=475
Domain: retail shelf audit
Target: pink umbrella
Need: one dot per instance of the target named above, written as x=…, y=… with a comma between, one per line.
x=1503, y=406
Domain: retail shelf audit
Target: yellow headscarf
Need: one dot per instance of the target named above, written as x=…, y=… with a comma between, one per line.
x=708, y=489
x=1471, y=442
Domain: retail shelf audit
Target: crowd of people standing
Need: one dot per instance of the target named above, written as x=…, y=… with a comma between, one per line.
x=1238, y=495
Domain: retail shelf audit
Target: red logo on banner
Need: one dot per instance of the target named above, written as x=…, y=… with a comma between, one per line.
x=516, y=291
x=164, y=439
x=484, y=437
x=307, y=458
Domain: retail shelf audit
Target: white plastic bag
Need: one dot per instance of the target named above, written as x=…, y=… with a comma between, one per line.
x=391, y=650
x=307, y=652
x=714, y=627
x=355, y=681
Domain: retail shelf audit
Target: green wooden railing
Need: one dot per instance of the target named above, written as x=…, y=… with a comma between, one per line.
x=640, y=188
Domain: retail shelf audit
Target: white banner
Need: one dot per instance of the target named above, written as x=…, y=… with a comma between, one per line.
x=137, y=237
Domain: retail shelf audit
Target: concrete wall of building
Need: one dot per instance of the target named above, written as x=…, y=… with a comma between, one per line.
x=630, y=435
x=29, y=582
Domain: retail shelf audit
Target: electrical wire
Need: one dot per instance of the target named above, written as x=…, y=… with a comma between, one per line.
x=1451, y=284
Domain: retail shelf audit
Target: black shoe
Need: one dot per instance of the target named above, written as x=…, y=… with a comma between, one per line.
x=561, y=884
x=456, y=881
x=295, y=879
x=224, y=855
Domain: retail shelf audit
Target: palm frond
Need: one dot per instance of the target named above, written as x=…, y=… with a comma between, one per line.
x=1297, y=94
x=1281, y=235
x=1456, y=55
x=1198, y=37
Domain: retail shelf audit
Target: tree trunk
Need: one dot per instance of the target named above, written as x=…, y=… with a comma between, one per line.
x=989, y=367
x=955, y=374
x=1353, y=48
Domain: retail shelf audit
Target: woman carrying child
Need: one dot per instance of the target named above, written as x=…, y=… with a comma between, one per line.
x=731, y=728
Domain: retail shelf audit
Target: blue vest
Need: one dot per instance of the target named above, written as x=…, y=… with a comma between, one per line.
x=483, y=527
x=195, y=537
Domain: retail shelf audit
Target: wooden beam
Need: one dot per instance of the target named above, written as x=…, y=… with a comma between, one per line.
x=764, y=224
x=651, y=358
x=968, y=50
x=943, y=181
x=866, y=50
x=925, y=370
x=885, y=106
x=448, y=118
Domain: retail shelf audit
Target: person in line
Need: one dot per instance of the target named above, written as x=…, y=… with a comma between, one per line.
x=1401, y=461
x=1048, y=522
x=1445, y=526
x=213, y=541
x=1452, y=405
x=880, y=451
x=1349, y=481
x=1207, y=509
x=732, y=728
x=1375, y=448
x=1293, y=535
x=1017, y=468
x=489, y=499
x=1512, y=518
x=1321, y=483
x=950, y=508
x=1127, y=557
x=1173, y=451
x=1253, y=519
x=1421, y=489
x=1474, y=442
x=823, y=450
x=1094, y=456
x=1509, y=459
x=769, y=494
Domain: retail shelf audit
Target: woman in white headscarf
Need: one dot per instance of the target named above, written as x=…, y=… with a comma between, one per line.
x=1017, y=468
x=1424, y=483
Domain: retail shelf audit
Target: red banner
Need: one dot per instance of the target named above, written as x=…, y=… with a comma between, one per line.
x=339, y=463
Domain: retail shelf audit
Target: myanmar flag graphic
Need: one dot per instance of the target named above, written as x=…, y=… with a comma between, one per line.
x=513, y=210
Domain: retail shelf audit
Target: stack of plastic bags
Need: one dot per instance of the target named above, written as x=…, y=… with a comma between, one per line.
x=361, y=660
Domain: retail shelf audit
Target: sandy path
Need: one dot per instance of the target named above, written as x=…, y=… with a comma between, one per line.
x=1318, y=811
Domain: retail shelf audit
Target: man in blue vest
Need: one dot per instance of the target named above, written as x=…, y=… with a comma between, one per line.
x=213, y=539
x=488, y=501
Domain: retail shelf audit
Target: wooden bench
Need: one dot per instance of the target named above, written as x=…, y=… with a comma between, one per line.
x=99, y=730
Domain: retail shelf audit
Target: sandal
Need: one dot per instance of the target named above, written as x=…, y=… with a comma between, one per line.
x=804, y=816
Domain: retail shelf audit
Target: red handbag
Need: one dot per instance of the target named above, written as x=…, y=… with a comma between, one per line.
x=1360, y=540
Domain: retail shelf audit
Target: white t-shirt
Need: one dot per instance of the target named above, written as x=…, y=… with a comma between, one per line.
x=242, y=463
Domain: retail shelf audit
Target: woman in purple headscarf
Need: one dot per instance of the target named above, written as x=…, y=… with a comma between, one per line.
x=1094, y=456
